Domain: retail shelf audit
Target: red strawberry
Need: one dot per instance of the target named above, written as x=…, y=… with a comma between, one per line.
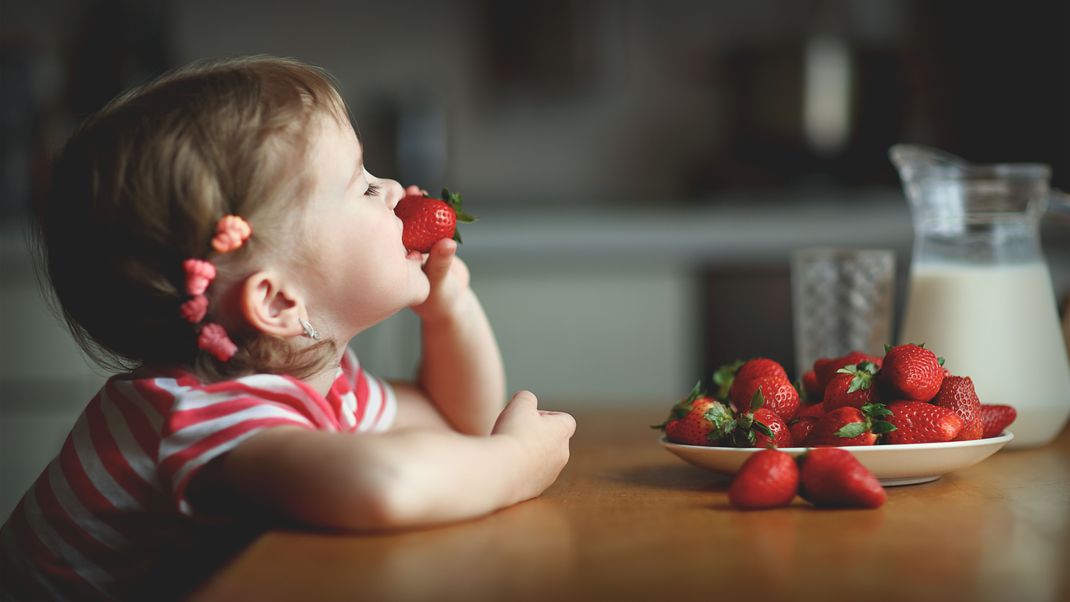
x=912, y=372
x=814, y=393
x=768, y=479
x=852, y=386
x=777, y=391
x=801, y=429
x=847, y=426
x=816, y=410
x=825, y=367
x=920, y=422
x=996, y=417
x=833, y=478
x=761, y=427
x=753, y=368
x=957, y=394
x=780, y=433
x=428, y=220
x=698, y=420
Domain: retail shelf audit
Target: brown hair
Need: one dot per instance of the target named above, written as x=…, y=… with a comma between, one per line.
x=140, y=187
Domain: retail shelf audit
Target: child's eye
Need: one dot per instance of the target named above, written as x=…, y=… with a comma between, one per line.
x=373, y=190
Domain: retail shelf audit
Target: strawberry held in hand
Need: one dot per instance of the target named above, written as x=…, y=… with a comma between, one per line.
x=428, y=220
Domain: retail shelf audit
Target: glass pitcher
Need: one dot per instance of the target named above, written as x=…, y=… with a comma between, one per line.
x=980, y=292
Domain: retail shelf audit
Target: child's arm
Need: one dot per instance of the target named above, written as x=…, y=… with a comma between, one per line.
x=461, y=368
x=392, y=480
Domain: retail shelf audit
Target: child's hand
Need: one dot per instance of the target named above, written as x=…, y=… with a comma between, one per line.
x=449, y=279
x=543, y=440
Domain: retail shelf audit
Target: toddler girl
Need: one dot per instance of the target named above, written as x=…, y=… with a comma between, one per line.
x=216, y=236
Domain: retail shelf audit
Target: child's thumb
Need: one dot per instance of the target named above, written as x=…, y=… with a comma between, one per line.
x=523, y=400
x=438, y=262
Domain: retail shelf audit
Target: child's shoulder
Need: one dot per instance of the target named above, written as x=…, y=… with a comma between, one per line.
x=170, y=389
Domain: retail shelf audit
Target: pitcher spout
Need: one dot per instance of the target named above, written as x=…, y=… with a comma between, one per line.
x=909, y=159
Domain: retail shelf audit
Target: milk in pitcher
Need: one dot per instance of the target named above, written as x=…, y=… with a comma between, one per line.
x=993, y=323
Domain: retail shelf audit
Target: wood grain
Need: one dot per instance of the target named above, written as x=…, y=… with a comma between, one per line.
x=628, y=520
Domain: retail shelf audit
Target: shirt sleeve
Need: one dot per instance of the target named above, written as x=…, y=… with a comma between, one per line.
x=369, y=403
x=206, y=422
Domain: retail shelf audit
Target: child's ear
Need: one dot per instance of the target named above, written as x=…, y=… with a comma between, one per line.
x=270, y=306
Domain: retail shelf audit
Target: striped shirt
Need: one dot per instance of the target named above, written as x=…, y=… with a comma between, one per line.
x=115, y=495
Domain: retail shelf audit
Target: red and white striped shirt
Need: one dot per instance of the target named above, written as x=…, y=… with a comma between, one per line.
x=115, y=495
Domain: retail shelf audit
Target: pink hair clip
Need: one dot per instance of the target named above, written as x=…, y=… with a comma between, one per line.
x=231, y=232
x=194, y=309
x=199, y=274
x=214, y=340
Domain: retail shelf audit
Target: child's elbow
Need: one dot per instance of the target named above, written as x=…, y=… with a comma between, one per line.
x=383, y=499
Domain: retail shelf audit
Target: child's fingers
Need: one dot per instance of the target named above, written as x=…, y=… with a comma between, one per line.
x=414, y=190
x=524, y=400
x=439, y=260
x=566, y=421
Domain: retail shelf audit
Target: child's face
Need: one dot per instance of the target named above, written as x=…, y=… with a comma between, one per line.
x=362, y=272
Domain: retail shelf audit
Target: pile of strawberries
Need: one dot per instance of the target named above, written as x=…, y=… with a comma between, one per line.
x=907, y=396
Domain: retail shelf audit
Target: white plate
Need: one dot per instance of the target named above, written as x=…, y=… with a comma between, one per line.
x=891, y=464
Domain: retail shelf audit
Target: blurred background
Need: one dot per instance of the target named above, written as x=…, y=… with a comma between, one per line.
x=641, y=169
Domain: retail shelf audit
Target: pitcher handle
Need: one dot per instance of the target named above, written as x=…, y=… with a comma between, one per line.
x=1059, y=202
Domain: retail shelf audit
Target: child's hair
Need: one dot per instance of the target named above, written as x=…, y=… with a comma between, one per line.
x=141, y=186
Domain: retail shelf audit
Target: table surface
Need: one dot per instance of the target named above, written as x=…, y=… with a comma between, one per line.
x=626, y=519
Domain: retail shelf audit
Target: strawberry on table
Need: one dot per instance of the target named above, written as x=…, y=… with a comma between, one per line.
x=767, y=479
x=912, y=372
x=996, y=418
x=834, y=478
x=428, y=220
x=957, y=394
x=921, y=422
x=698, y=420
x=852, y=385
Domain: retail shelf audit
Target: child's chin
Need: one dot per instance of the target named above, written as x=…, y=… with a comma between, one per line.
x=424, y=291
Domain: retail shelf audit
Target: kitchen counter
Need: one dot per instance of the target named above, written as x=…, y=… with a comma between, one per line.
x=627, y=520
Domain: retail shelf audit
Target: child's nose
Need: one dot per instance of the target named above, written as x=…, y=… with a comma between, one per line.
x=394, y=193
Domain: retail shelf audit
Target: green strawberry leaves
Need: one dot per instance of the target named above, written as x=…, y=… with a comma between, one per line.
x=763, y=429
x=873, y=412
x=453, y=199
x=682, y=407
x=851, y=430
x=724, y=376
x=863, y=375
x=722, y=419
x=800, y=388
x=757, y=401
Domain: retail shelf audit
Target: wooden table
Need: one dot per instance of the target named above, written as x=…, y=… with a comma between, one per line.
x=627, y=520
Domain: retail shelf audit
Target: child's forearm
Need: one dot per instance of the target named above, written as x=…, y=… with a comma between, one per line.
x=461, y=368
x=374, y=482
